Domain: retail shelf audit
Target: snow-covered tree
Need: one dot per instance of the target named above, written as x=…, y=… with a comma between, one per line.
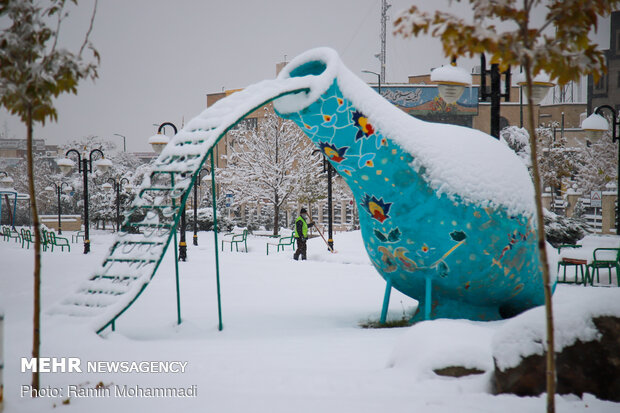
x=267, y=163
x=33, y=71
x=597, y=164
x=556, y=159
x=313, y=186
x=557, y=163
x=45, y=171
x=592, y=165
x=135, y=178
x=102, y=204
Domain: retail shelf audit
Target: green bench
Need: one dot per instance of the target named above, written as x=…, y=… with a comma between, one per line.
x=76, y=237
x=9, y=233
x=236, y=240
x=49, y=239
x=44, y=239
x=61, y=242
x=282, y=242
x=26, y=237
x=603, y=258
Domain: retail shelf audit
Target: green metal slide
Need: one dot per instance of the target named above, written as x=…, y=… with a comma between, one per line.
x=134, y=258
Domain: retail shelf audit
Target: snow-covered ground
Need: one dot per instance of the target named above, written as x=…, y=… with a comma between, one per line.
x=291, y=340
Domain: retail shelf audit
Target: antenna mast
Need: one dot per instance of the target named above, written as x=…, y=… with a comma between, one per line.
x=384, y=18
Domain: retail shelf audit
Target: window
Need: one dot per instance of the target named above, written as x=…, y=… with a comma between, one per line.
x=601, y=85
x=337, y=214
x=348, y=217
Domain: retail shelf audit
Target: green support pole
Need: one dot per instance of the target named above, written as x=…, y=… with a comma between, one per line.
x=176, y=272
x=217, y=261
x=176, y=267
x=386, y=300
x=427, y=303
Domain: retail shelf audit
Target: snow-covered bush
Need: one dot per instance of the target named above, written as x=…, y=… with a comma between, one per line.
x=205, y=220
x=564, y=230
x=518, y=140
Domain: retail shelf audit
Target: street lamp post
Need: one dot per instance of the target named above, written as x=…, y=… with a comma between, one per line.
x=85, y=165
x=595, y=125
x=495, y=94
x=117, y=184
x=58, y=189
x=330, y=216
x=158, y=142
x=124, y=141
x=328, y=168
x=196, y=185
x=378, y=78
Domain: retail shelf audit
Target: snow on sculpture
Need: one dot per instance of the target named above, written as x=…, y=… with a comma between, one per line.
x=446, y=212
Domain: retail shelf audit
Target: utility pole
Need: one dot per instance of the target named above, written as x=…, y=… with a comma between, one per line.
x=384, y=18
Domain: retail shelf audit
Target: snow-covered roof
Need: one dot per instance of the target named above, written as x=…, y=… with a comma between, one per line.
x=457, y=161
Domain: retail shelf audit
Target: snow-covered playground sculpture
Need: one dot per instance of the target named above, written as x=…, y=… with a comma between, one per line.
x=446, y=212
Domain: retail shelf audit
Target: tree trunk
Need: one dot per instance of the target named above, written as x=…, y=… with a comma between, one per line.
x=541, y=244
x=36, y=325
x=276, y=214
x=8, y=209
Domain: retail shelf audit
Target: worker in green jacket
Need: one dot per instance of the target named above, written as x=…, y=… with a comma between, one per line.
x=301, y=234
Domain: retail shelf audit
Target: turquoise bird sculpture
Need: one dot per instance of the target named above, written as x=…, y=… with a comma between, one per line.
x=446, y=212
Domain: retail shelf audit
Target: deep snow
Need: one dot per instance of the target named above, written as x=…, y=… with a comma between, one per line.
x=291, y=340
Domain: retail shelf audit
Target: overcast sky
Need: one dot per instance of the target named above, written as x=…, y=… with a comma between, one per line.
x=160, y=58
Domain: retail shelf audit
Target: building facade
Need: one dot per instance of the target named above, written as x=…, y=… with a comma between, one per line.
x=14, y=150
x=607, y=90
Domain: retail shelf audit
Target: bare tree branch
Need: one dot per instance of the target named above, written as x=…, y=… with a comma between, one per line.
x=90, y=29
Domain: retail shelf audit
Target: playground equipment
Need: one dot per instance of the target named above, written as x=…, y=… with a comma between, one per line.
x=448, y=210
x=134, y=258
x=5, y=193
